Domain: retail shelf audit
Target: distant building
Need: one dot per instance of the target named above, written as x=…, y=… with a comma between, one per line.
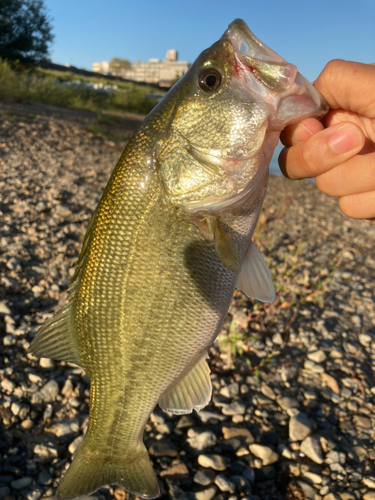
x=163, y=72
x=100, y=67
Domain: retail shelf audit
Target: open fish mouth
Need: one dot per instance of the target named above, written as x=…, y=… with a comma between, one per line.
x=271, y=78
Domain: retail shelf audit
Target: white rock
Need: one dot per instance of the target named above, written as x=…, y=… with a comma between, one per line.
x=317, y=356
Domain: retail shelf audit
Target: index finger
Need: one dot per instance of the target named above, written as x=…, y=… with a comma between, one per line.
x=348, y=85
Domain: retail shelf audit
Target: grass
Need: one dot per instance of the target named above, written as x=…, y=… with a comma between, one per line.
x=21, y=83
x=297, y=283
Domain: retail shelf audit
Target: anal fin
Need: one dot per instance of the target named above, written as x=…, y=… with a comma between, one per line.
x=55, y=338
x=193, y=392
x=255, y=277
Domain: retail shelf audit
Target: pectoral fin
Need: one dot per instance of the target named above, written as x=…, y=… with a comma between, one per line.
x=225, y=248
x=193, y=392
x=255, y=277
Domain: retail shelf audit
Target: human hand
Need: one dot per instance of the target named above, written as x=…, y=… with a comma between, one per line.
x=340, y=151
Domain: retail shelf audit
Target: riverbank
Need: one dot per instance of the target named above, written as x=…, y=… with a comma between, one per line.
x=292, y=414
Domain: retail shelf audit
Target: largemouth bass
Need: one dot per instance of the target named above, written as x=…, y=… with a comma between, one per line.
x=166, y=247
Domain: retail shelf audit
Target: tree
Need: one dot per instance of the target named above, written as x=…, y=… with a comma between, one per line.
x=116, y=64
x=25, y=30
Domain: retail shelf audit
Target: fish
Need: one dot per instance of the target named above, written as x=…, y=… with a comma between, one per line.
x=165, y=249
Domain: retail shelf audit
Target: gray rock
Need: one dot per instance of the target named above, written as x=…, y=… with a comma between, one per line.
x=308, y=490
x=231, y=390
x=45, y=453
x=267, y=391
x=234, y=409
x=204, y=477
x=203, y=440
x=7, y=385
x=34, y=494
x=18, y=484
x=248, y=473
x=47, y=394
x=216, y=462
x=318, y=356
x=4, y=309
x=9, y=340
x=266, y=454
x=300, y=427
x=224, y=484
x=66, y=428
x=206, y=494
x=335, y=457
x=47, y=363
x=45, y=478
x=74, y=444
x=287, y=402
x=310, y=447
x=207, y=416
x=163, y=448
x=369, y=481
x=360, y=421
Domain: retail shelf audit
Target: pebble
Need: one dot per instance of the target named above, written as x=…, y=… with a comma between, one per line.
x=204, y=477
x=234, y=409
x=231, y=390
x=45, y=452
x=45, y=478
x=300, y=427
x=202, y=441
x=331, y=382
x=47, y=363
x=370, y=495
x=177, y=472
x=216, y=462
x=163, y=448
x=47, y=393
x=238, y=432
x=18, y=484
x=369, y=482
x=206, y=494
x=7, y=385
x=317, y=356
x=224, y=484
x=266, y=454
x=360, y=421
x=74, y=444
x=310, y=447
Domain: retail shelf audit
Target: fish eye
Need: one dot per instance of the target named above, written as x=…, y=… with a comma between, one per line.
x=209, y=80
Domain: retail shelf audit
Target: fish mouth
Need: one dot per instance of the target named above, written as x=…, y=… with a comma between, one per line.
x=261, y=71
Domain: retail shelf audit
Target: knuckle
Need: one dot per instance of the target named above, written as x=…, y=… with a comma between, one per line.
x=307, y=159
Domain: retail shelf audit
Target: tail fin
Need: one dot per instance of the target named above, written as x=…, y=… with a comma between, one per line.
x=89, y=471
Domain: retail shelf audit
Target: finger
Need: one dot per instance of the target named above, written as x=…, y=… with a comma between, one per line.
x=358, y=206
x=301, y=131
x=348, y=85
x=323, y=151
x=356, y=175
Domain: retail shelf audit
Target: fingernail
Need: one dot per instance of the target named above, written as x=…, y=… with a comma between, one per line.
x=344, y=140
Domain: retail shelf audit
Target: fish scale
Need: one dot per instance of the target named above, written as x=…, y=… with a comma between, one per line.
x=166, y=246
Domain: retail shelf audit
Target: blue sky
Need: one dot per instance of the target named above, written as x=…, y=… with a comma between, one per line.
x=307, y=34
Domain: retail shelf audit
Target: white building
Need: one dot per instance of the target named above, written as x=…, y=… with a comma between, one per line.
x=100, y=67
x=163, y=72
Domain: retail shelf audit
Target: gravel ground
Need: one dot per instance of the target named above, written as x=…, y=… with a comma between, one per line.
x=292, y=415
